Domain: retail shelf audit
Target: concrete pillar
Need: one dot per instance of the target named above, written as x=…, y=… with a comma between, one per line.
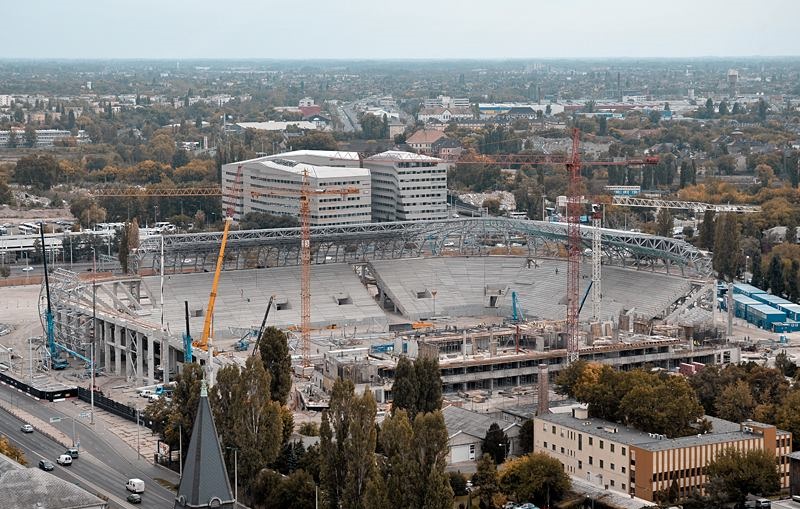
x=139, y=355
x=118, y=346
x=151, y=359
x=464, y=345
x=107, y=341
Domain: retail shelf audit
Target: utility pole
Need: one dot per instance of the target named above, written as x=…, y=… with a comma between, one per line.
x=137, y=434
x=94, y=326
x=235, y=473
x=180, y=451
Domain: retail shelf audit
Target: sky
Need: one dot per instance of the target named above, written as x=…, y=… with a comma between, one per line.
x=400, y=29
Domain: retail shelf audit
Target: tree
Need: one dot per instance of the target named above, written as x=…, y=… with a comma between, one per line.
x=706, y=237
x=775, y=275
x=41, y=172
x=182, y=411
x=6, y=196
x=30, y=136
x=763, y=107
x=733, y=474
x=122, y=247
x=13, y=452
x=405, y=389
x=486, y=479
x=495, y=444
x=181, y=158
x=12, y=138
x=709, y=108
x=264, y=221
x=602, y=126
x=430, y=447
x=787, y=415
x=274, y=351
x=536, y=477
x=430, y=384
x=360, y=451
x=785, y=365
x=247, y=418
x=315, y=140
x=726, y=247
x=526, y=436
x=723, y=108
x=400, y=470
x=664, y=223
x=792, y=289
x=757, y=278
x=458, y=483
x=735, y=402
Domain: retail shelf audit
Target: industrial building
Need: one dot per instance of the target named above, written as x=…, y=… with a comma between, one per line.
x=407, y=186
x=639, y=463
x=45, y=138
x=763, y=310
x=272, y=184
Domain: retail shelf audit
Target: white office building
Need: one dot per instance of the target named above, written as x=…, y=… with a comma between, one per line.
x=407, y=186
x=272, y=184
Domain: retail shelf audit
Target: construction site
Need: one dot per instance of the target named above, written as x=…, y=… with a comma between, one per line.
x=501, y=302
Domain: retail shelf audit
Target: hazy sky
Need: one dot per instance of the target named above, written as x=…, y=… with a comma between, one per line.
x=399, y=28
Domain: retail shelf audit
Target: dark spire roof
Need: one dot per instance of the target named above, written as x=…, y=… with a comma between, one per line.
x=205, y=479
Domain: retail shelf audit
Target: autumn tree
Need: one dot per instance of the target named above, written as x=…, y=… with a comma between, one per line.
x=787, y=415
x=537, y=477
x=10, y=450
x=274, y=351
x=486, y=479
x=733, y=474
x=40, y=172
x=735, y=402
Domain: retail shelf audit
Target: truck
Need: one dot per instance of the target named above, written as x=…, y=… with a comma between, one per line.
x=60, y=363
x=135, y=485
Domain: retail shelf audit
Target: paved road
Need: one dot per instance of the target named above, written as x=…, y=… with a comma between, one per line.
x=102, y=468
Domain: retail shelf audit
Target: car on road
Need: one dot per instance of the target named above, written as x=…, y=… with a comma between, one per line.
x=64, y=460
x=134, y=498
x=26, y=428
x=73, y=452
x=46, y=465
x=135, y=485
x=27, y=269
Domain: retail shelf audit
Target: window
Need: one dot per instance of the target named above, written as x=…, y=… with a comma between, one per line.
x=545, y=445
x=612, y=482
x=554, y=430
x=601, y=463
x=623, y=469
x=554, y=447
x=580, y=465
x=580, y=442
x=623, y=486
x=590, y=460
x=601, y=444
x=562, y=450
x=612, y=447
x=590, y=440
x=612, y=466
x=623, y=451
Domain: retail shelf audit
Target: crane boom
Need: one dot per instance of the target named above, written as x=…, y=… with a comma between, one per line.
x=212, y=298
x=263, y=325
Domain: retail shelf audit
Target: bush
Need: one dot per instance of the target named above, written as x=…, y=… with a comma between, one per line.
x=459, y=483
x=309, y=429
x=5, y=271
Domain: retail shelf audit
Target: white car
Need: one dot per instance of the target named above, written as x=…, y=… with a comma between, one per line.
x=27, y=269
x=65, y=460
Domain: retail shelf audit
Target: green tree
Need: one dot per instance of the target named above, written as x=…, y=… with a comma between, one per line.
x=182, y=410
x=486, y=479
x=785, y=365
x=723, y=108
x=735, y=402
x=536, y=477
x=791, y=230
x=360, y=451
x=41, y=172
x=495, y=443
x=181, y=158
x=602, y=126
x=526, y=436
x=756, y=278
x=274, y=351
x=401, y=469
x=405, y=389
x=706, y=237
x=6, y=196
x=664, y=223
x=775, y=275
x=247, y=418
x=733, y=474
x=30, y=136
x=458, y=483
x=430, y=384
x=792, y=289
x=315, y=140
x=763, y=107
x=264, y=220
x=122, y=247
x=787, y=415
x=726, y=247
x=430, y=447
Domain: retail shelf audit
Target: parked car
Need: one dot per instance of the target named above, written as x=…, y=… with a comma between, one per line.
x=134, y=498
x=145, y=393
x=27, y=269
x=46, y=465
x=26, y=428
x=64, y=460
x=72, y=451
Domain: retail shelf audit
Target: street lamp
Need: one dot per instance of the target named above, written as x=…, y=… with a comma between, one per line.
x=235, y=473
x=433, y=293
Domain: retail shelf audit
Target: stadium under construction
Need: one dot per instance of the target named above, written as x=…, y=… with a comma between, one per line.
x=487, y=295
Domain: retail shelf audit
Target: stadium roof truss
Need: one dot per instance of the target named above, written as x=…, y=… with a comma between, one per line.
x=407, y=239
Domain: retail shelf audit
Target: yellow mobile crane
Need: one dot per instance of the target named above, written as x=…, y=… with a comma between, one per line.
x=203, y=343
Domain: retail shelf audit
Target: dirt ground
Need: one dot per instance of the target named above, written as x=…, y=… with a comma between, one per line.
x=16, y=216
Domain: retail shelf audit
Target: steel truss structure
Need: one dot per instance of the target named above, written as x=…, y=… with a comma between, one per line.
x=408, y=239
x=694, y=206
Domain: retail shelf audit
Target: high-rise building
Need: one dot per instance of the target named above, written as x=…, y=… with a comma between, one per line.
x=272, y=184
x=407, y=186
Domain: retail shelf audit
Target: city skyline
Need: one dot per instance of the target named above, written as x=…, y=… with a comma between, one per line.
x=411, y=30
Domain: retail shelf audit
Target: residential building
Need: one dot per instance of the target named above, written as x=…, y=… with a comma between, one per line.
x=396, y=127
x=447, y=148
x=466, y=431
x=273, y=125
x=423, y=140
x=5, y=100
x=642, y=464
x=44, y=137
x=440, y=114
x=444, y=101
x=305, y=101
x=272, y=184
x=407, y=186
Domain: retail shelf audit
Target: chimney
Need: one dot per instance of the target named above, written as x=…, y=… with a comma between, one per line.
x=544, y=390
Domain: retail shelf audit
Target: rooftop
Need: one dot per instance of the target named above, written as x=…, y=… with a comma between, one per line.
x=31, y=487
x=425, y=136
x=400, y=155
x=458, y=419
x=312, y=170
x=722, y=432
